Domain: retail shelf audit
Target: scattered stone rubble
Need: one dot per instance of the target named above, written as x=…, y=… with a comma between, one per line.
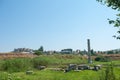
x=76, y=67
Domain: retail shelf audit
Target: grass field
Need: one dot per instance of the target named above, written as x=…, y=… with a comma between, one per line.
x=12, y=72
x=56, y=75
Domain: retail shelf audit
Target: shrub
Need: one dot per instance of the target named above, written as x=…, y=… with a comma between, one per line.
x=7, y=76
x=102, y=59
x=16, y=65
x=37, y=52
x=40, y=61
x=108, y=74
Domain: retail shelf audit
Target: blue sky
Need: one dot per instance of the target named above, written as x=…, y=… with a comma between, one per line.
x=56, y=24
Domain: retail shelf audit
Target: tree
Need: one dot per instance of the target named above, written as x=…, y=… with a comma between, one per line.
x=41, y=49
x=102, y=59
x=115, y=5
x=93, y=52
x=37, y=52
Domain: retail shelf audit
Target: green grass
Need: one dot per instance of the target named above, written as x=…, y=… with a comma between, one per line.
x=115, y=62
x=56, y=75
x=22, y=64
x=9, y=68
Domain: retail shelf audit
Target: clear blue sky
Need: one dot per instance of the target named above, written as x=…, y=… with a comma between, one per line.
x=56, y=24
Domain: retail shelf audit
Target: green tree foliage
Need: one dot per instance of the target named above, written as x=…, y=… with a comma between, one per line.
x=41, y=49
x=102, y=59
x=115, y=5
x=93, y=52
x=110, y=52
x=37, y=52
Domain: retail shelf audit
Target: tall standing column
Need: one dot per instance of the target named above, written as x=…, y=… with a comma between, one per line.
x=89, y=51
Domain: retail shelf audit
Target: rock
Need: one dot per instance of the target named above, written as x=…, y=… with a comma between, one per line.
x=72, y=66
x=41, y=67
x=66, y=70
x=97, y=67
x=29, y=72
x=83, y=67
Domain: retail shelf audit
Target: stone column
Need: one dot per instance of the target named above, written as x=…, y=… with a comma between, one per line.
x=89, y=51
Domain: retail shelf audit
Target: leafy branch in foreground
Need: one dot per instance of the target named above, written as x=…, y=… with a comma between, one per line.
x=115, y=5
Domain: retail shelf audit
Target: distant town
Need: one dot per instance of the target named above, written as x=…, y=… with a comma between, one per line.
x=65, y=51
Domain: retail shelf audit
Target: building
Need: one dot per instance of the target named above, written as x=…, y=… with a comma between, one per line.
x=66, y=51
x=23, y=50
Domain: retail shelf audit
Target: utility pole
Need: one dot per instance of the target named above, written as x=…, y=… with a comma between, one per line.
x=89, y=52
